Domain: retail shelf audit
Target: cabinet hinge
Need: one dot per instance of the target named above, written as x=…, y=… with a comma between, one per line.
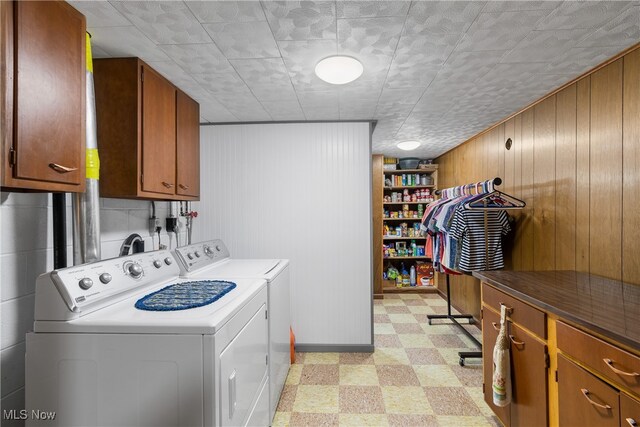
x=142, y=75
x=482, y=388
x=141, y=179
x=482, y=314
x=556, y=375
x=12, y=156
x=266, y=314
x=547, y=360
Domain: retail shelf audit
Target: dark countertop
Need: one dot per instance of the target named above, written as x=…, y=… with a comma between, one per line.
x=608, y=307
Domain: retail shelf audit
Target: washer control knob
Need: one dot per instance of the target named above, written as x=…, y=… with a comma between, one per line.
x=105, y=278
x=168, y=261
x=218, y=248
x=190, y=255
x=135, y=270
x=157, y=263
x=85, y=283
x=208, y=251
x=197, y=254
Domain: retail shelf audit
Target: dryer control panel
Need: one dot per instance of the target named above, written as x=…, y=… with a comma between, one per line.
x=83, y=287
x=199, y=255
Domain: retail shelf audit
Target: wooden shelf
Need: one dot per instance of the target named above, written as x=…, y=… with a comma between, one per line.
x=431, y=169
x=402, y=219
x=407, y=203
x=409, y=187
x=403, y=238
x=410, y=289
x=405, y=257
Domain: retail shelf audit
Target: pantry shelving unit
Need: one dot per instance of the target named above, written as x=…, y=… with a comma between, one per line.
x=383, y=210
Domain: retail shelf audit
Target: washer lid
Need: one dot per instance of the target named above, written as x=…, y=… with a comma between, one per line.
x=243, y=268
x=124, y=317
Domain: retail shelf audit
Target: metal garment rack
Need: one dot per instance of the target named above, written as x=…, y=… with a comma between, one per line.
x=453, y=317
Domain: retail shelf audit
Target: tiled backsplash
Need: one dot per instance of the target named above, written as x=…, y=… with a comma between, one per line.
x=26, y=251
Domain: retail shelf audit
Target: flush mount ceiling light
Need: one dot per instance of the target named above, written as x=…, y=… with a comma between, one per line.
x=339, y=70
x=408, y=145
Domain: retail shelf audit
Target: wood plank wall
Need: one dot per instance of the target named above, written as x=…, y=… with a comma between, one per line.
x=575, y=160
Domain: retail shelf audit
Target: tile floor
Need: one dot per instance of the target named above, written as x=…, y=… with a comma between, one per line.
x=412, y=379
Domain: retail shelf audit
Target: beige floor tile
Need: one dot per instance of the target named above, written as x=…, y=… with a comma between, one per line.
x=452, y=401
x=420, y=309
x=321, y=358
x=447, y=341
x=386, y=340
x=383, y=328
x=358, y=375
x=436, y=376
x=381, y=318
x=358, y=420
x=408, y=420
x=356, y=359
x=379, y=309
x=405, y=400
x=418, y=301
x=392, y=302
x=452, y=421
x=390, y=356
x=437, y=302
x=395, y=309
x=425, y=356
x=410, y=296
x=402, y=318
x=281, y=419
x=293, y=378
x=287, y=398
x=398, y=375
x=450, y=355
x=416, y=341
x=469, y=375
x=437, y=329
x=316, y=399
x=407, y=328
x=361, y=400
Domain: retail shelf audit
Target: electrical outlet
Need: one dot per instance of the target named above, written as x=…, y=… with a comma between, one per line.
x=162, y=246
x=172, y=223
x=154, y=223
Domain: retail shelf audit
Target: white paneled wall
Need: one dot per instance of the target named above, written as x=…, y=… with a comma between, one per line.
x=300, y=191
x=26, y=251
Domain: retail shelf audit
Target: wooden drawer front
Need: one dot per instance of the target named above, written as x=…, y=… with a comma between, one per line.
x=523, y=314
x=489, y=336
x=629, y=411
x=595, y=354
x=599, y=407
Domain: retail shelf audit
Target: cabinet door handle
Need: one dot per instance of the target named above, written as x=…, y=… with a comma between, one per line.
x=509, y=309
x=184, y=187
x=166, y=184
x=631, y=422
x=61, y=169
x=609, y=363
x=585, y=392
x=518, y=343
x=495, y=326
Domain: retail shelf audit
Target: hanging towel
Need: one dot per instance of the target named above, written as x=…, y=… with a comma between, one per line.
x=502, y=364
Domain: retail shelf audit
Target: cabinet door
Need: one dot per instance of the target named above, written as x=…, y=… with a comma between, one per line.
x=158, y=133
x=49, y=97
x=583, y=399
x=629, y=411
x=490, y=323
x=528, y=379
x=187, y=146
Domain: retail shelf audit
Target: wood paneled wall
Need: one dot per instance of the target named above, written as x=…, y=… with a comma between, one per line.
x=575, y=160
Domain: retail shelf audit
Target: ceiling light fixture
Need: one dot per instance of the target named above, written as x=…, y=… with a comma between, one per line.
x=339, y=70
x=408, y=145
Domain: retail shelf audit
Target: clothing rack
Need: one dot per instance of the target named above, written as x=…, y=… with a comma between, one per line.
x=488, y=186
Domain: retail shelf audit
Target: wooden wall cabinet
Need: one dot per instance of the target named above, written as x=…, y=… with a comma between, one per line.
x=529, y=359
x=43, y=96
x=148, y=133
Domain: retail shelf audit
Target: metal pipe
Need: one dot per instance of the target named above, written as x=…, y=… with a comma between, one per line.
x=59, y=230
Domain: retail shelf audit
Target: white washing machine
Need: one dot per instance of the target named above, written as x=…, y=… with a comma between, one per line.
x=211, y=259
x=99, y=357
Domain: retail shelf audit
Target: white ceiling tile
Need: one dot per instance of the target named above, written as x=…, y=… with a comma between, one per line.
x=100, y=14
x=409, y=95
x=463, y=67
x=579, y=60
x=226, y=11
x=97, y=52
x=176, y=75
x=267, y=78
x=623, y=31
x=244, y=39
x=126, y=42
x=247, y=110
x=500, y=30
x=219, y=84
x=371, y=9
x=301, y=57
x=198, y=58
x=582, y=14
x=164, y=22
x=449, y=17
x=545, y=46
x=370, y=36
x=301, y=20
x=213, y=111
x=284, y=110
x=504, y=6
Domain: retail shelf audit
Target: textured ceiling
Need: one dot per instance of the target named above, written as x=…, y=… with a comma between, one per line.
x=438, y=72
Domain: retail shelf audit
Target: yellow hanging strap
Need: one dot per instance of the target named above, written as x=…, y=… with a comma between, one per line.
x=92, y=159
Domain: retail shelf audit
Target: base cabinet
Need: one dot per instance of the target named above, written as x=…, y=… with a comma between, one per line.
x=629, y=411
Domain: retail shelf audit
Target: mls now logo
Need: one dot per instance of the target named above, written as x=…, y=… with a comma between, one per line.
x=23, y=414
